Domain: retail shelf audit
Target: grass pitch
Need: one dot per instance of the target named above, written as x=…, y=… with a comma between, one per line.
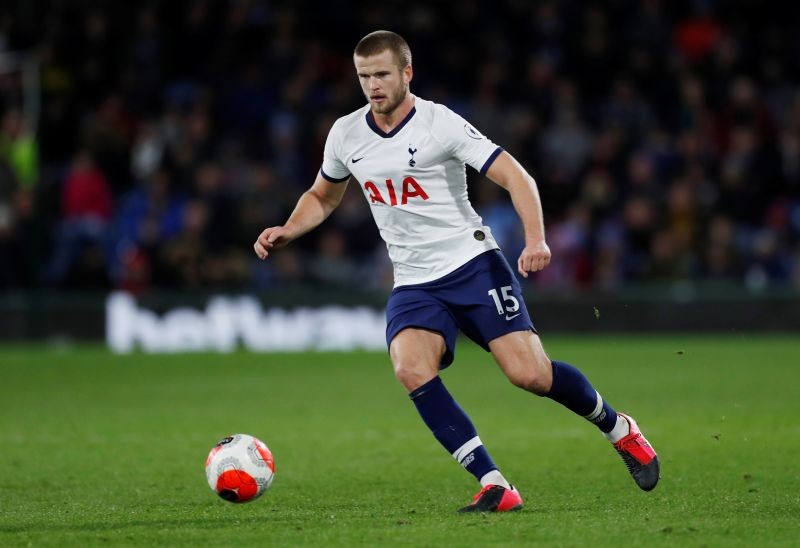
x=103, y=449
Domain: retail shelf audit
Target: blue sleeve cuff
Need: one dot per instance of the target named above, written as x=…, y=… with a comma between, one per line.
x=488, y=163
x=332, y=179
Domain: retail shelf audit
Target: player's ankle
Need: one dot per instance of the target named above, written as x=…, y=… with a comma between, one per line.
x=494, y=477
x=620, y=430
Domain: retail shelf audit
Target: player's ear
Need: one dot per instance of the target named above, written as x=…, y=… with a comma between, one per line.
x=408, y=73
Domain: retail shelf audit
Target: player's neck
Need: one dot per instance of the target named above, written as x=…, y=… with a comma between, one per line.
x=387, y=122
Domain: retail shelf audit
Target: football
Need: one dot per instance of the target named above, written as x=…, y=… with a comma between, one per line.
x=240, y=468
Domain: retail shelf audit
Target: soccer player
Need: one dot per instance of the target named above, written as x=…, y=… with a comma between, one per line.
x=408, y=156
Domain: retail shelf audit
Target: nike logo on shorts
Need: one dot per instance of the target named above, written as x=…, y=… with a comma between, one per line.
x=512, y=317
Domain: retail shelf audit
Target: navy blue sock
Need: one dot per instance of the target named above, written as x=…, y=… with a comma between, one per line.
x=452, y=427
x=574, y=391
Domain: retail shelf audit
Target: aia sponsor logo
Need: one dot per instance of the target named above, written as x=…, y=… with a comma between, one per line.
x=410, y=189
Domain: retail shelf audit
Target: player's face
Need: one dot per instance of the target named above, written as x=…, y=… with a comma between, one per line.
x=383, y=82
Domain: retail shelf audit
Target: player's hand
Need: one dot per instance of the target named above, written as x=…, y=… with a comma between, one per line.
x=271, y=238
x=533, y=258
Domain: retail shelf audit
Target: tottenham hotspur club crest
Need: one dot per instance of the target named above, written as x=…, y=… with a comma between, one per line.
x=411, y=151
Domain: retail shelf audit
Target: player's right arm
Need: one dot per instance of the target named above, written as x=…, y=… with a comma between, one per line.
x=313, y=207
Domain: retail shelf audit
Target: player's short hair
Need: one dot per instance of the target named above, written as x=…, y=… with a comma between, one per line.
x=381, y=40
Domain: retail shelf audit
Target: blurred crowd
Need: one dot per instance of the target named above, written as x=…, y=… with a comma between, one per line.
x=664, y=137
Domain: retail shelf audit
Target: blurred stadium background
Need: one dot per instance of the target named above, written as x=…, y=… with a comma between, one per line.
x=144, y=145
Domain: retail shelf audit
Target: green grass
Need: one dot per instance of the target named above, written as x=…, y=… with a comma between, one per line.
x=103, y=449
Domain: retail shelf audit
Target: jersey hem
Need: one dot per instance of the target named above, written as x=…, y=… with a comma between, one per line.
x=442, y=274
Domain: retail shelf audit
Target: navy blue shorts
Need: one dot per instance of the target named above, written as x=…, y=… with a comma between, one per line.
x=482, y=298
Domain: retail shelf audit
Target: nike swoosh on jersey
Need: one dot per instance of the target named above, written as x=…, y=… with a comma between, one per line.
x=512, y=317
x=354, y=160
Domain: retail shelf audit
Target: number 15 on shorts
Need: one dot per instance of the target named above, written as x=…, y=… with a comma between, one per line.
x=508, y=305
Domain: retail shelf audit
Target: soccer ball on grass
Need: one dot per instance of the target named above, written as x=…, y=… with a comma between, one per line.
x=240, y=468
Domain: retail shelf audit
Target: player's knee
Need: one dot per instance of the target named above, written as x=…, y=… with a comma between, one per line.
x=536, y=379
x=412, y=375
x=532, y=383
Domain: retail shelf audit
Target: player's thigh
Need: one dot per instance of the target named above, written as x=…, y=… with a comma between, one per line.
x=489, y=303
x=522, y=358
x=420, y=309
x=416, y=356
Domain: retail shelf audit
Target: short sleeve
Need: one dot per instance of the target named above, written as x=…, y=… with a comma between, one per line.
x=333, y=169
x=463, y=141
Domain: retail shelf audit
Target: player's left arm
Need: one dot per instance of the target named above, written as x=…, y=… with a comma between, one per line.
x=509, y=174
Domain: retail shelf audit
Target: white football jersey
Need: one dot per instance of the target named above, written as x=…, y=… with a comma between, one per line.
x=414, y=179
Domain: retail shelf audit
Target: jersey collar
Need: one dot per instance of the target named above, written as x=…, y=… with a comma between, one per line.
x=374, y=127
